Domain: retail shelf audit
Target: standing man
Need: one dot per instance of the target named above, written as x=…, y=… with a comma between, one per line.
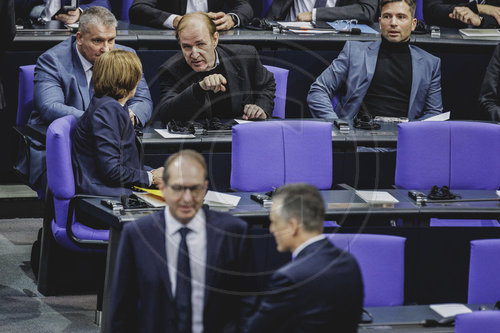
x=208, y=80
x=180, y=270
x=321, y=289
x=383, y=78
x=167, y=14
x=323, y=10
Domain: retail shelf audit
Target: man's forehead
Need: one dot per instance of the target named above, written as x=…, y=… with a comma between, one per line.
x=398, y=7
x=101, y=30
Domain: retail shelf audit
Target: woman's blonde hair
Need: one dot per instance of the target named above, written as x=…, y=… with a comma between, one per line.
x=116, y=73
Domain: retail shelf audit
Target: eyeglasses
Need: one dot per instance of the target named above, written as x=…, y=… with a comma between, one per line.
x=178, y=190
x=345, y=25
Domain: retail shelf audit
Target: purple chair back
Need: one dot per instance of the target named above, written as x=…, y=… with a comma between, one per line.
x=478, y=321
x=61, y=183
x=381, y=261
x=281, y=79
x=25, y=94
x=484, y=272
x=266, y=5
x=419, y=10
x=273, y=153
x=125, y=7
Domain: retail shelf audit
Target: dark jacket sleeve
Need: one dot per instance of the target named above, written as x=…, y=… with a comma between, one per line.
x=124, y=289
x=436, y=13
x=242, y=8
x=148, y=13
x=488, y=97
x=362, y=10
x=279, y=9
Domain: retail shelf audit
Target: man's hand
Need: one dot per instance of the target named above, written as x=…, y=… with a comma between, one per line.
x=305, y=17
x=490, y=10
x=132, y=116
x=157, y=176
x=214, y=82
x=252, y=111
x=176, y=21
x=72, y=17
x=466, y=16
x=222, y=21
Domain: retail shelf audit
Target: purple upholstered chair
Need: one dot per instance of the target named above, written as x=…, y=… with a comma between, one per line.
x=281, y=79
x=484, y=272
x=273, y=153
x=381, y=260
x=25, y=94
x=66, y=230
x=419, y=10
x=125, y=7
x=478, y=322
x=458, y=154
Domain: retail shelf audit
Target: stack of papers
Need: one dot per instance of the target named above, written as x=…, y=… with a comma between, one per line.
x=449, y=310
x=376, y=197
x=480, y=33
x=221, y=200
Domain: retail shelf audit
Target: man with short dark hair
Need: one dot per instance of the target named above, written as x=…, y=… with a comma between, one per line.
x=321, y=289
x=182, y=269
x=388, y=77
x=208, y=80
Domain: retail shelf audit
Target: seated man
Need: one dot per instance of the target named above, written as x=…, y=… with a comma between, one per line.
x=47, y=10
x=104, y=154
x=167, y=14
x=489, y=97
x=321, y=289
x=323, y=10
x=208, y=80
x=63, y=73
x=183, y=265
x=460, y=13
x=383, y=78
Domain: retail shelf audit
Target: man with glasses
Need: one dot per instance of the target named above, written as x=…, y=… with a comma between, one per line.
x=180, y=270
x=388, y=78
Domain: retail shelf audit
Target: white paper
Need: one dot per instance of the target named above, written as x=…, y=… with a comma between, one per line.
x=218, y=199
x=167, y=135
x=297, y=25
x=480, y=32
x=440, y=117
x=376, y=197
x=450, y=309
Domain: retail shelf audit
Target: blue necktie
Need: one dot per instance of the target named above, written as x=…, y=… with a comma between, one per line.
x=320, y=3
x=183, y=286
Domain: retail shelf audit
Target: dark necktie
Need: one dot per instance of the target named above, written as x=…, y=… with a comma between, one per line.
x=91, y=85
x=320, y=3
x=183, y=286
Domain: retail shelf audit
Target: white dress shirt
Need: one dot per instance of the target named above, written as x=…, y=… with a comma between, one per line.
x=303, y=6
x=306, y=243
x=197, y=246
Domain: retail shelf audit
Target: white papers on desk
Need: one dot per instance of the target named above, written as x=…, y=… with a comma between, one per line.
x=376, y=197
x=439, y=117
x=480, y=32
x=296, y=25
x=167, y=135
x=221, y=200
x=450, y=309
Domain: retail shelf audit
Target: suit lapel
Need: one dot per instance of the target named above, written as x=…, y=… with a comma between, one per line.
x=234, y=81
x=416, y=63
x=371, y=60
x=157, y=240
x=214, y=244
x=81, y=79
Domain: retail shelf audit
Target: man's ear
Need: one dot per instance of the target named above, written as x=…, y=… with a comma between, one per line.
x=216, y=38
x=294, y=225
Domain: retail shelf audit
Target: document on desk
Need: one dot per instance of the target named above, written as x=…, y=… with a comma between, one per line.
x=440, y=117
x=167, y=135
x=305, y=28
x=221, y=200
x=450, y=309
x=377, y=197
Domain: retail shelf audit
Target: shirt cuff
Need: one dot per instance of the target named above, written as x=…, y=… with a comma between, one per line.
x=169, y=22
x=314, y=15
x=150, y=177
x=236, y=19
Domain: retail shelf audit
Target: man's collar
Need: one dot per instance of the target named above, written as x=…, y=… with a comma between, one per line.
x=196, y=224
x=217, y=61
x=85, y=63
x=306, y=243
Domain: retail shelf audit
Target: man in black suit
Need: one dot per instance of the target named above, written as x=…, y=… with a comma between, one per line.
x=167, y=13
x=208, y=80
x=461, y=14
x=324, y=10
x=321, y=289
x=180, y=270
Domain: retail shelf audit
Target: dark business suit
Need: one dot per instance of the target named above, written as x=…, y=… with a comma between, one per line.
x=141, y=295
x=362, y=10
x=489, y=97
x=320, y=291
x=105, y=157
x=155, y=12
x=7, y=33
x=248, y=82
x=436, y=13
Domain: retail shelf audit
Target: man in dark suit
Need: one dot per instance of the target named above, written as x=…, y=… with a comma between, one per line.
x=461, y=14
x=206, y=80
x=167, y=14
x=321, y=289
x=180, y=270
x=324, y=10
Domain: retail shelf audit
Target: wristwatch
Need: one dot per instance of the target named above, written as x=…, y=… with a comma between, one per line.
x=235, y=19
